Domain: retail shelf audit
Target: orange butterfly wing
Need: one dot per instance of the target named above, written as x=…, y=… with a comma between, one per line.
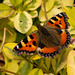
x=59, y=21
x=28, y=45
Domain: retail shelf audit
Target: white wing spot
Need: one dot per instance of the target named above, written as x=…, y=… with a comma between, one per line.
x=17, y=46
x=38, y=49
x=60, y=14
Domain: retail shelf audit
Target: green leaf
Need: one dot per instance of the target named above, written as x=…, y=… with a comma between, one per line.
x=67, y=2
x=25, y=68
x=49, y=74
x=7, y=2
x=15, y=2
x=35, y=57
x=4, y=10
x=49, y=4
x=71, y=30
x=50, y=14
x=36, y=71
x=71, y=63
x=45, y=63
x=60, y=60
x=33, y=13
x=7, y=49
x=26, y=2
x=23, y=22
x=33, y=28
x=9, y=37
x=57, y=3
x=13, y=67
x=71, y=15
x=34, y=4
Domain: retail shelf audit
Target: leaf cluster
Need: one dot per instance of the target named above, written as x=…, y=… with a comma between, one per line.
x=20, y=18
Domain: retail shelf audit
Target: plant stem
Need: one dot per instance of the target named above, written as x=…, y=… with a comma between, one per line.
x=34, y=64
x=44, y=5
x=3, y=39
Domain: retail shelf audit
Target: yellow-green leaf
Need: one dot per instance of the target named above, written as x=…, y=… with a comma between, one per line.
x=13, y=67
x=49, y=74
x=9, y=37
x=67, y=2
x=4, y=10
x=71, y=15
x=33, y=13
x=50, y=14
x=71, y=63
x=26, y=2
x=7, y=2
x=60, y=60
x=23, y=22
x=7, y=49
x=36, y=71
x=45, y=63
x=25, y=67
x=33, y=28
x=15, y=2
x=34, y=4
x=35, y=57
x=49, y=4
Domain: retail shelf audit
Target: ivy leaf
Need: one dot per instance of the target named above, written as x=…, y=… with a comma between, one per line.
x=71, y=63
x=34, y=4
x=15, y=2
x=23, y=22
x=36, y=71
x=49, y=5
x=7, y=49
x=25, y=67
x=5, y=10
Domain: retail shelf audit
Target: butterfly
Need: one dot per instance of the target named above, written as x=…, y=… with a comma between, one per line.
x=48, y=40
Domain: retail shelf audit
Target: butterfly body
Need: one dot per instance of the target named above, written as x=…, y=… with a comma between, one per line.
x=48, y=40
x=49, y=36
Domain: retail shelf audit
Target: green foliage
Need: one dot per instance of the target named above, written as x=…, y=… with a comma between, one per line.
x=20, y=18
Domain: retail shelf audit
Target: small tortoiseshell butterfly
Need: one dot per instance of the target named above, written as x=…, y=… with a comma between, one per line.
x=48, y=40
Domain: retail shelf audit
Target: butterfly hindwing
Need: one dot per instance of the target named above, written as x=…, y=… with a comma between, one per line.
x=28, y=45
x=65, y=40
x=48, y=52
x=59, y=21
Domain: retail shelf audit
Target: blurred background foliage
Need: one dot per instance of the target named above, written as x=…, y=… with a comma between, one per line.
x=19, y=17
